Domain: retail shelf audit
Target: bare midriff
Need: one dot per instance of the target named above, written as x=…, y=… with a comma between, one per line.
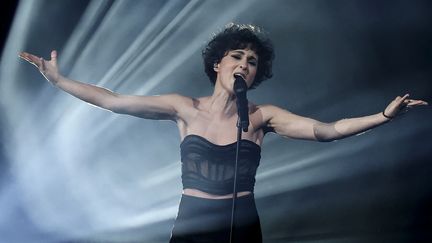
x=198, y=193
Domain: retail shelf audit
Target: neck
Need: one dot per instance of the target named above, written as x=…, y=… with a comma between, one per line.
x=223, y=102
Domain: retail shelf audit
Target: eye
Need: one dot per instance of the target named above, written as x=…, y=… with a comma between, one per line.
x=238, y=57
x=253, y=63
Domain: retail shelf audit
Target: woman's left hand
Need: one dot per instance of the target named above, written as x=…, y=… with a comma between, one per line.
x=401, y=105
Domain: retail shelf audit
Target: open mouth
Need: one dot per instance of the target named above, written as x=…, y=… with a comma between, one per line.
x=240, y=74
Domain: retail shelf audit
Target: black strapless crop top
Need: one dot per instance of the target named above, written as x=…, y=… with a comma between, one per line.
x=209, y=167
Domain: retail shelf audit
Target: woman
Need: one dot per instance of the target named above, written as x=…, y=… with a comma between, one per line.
x=207, y=127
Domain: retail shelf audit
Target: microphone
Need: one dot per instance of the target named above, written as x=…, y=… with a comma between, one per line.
x=240, y=89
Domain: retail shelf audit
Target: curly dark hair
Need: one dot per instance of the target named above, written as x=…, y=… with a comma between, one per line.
x=240, y=36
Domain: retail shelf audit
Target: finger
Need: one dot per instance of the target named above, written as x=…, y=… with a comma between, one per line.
x=34, y=63
x=416, y=103
x=401, y=102
x=413, y=102
x=24, y=56
x=404, y=97
x=30, y=58
x=28, y=55
x=42, y=64
x=422, y=101
x=408, y=101
x=54, y=55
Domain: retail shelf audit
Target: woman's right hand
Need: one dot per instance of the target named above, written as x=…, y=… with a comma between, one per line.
x=48, y=69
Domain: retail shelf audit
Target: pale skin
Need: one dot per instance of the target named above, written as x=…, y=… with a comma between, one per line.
x=215, y=117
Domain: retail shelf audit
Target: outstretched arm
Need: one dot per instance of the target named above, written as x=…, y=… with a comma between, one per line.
x=290, y=125
x=150, y=107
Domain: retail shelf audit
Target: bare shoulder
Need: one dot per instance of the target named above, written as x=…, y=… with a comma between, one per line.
x=261, y=115
x=186, y=107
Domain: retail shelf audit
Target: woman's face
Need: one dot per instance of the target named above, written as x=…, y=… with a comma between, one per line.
x=243, y=62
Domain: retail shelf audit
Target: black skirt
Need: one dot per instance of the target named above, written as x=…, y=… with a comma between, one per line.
x=202, y=220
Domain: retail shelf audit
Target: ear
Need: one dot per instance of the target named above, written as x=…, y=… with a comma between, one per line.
x=216, y=67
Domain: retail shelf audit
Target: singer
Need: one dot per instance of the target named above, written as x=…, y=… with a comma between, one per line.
x=207, y=127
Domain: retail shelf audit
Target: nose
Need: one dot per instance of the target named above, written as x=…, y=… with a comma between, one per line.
x=243, y=65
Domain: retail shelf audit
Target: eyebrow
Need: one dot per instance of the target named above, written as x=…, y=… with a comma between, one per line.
x=243, y=53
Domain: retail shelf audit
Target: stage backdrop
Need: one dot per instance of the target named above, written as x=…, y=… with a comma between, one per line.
x=72, y=172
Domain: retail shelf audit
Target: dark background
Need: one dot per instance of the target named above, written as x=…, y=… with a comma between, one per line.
x=347, y=59
x=7, y=13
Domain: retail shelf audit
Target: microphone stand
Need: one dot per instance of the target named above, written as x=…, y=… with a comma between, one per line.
x=239, y=134
x=242, y=124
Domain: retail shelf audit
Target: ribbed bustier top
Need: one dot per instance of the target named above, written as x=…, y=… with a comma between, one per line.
x=209, y=167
